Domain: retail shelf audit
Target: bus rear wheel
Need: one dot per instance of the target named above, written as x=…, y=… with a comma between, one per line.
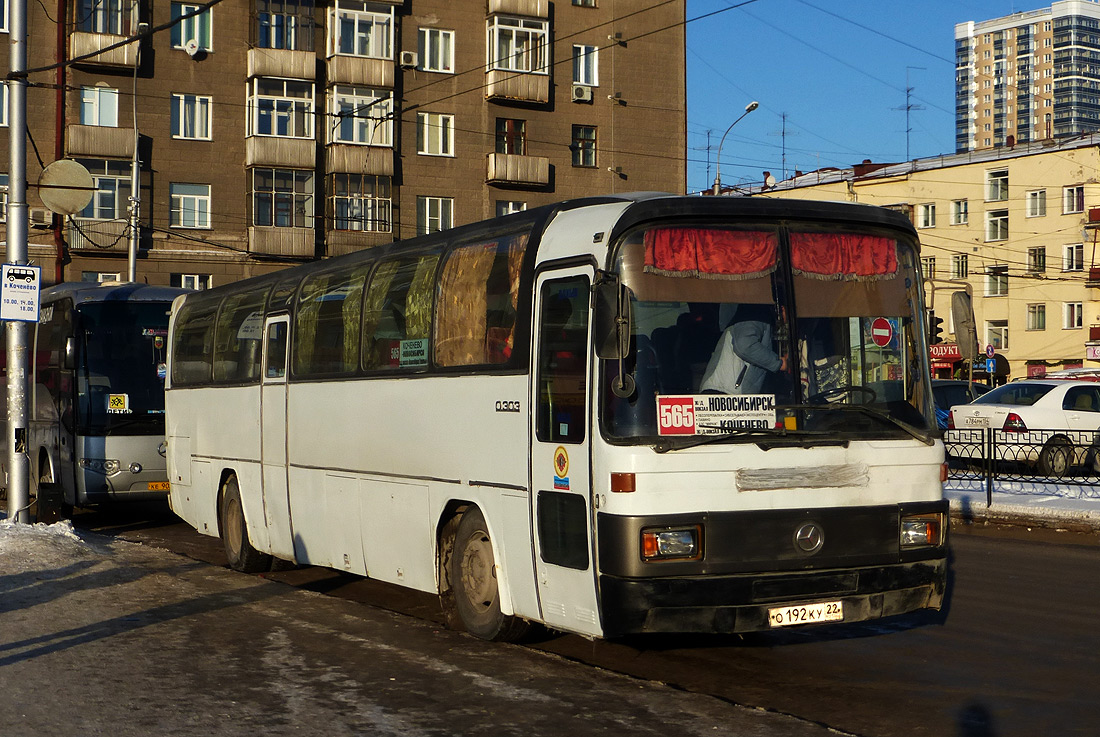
x=234, y=532
x=474, y=581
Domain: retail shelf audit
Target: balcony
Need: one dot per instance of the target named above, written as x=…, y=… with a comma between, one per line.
x=513, y=169
x=529, y=8
x=82, y=43
x=285, y=242
x=1093, y=279
x=282, y=63
x=99, y=141
x=519, y=86
x=342, y=157
x=294, y=153
x=342, y=242
x=110, y=236
x=361, y=70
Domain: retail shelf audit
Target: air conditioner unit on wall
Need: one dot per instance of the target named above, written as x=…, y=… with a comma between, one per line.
x=582, y=93
x=39, y=217
x=408, y=59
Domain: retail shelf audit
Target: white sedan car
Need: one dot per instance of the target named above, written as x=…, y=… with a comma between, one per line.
x=1051, y=425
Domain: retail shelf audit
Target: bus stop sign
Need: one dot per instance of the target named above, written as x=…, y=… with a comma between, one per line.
x=19, y=292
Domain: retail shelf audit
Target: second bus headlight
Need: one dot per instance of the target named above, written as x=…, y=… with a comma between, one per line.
x=919, y=530
x=672, y=543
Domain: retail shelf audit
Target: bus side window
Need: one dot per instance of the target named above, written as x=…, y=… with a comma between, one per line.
x=397, y=319
x=563, y=360
x=276, y=351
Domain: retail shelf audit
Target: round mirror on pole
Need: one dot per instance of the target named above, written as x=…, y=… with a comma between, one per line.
x=66, y=187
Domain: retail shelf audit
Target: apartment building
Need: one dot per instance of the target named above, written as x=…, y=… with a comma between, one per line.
x=1028, y=76
x=1018, y=227
x=271, y=132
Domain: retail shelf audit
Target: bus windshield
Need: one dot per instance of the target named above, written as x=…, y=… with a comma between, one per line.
x=770, y=331
x=121, y=367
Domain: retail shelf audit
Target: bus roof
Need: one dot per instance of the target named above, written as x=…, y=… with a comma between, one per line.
x=81, y=292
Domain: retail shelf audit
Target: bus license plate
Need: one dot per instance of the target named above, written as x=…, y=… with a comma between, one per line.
x=825, y=611
x=158, y=486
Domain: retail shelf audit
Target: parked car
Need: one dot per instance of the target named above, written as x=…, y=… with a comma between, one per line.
x=1050, y=425
x=946, y=393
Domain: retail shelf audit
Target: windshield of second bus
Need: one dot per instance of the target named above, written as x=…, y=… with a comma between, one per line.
x=739, y=333
x=121, y=367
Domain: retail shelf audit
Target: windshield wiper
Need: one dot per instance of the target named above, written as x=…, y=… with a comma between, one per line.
x=878, y=414
x=760, y=435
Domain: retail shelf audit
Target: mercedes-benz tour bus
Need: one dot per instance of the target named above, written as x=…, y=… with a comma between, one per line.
x=516, y=415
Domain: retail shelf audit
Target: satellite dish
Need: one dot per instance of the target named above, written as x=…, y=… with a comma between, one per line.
x=769, y=181
x=191, y=47
x=65, y=187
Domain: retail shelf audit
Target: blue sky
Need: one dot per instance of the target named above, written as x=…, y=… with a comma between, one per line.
x=838, y=70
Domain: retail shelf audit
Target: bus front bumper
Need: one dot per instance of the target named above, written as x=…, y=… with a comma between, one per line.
x=743, y=602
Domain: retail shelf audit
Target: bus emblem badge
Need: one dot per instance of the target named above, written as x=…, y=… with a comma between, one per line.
x=809, y=538
x=561, y=462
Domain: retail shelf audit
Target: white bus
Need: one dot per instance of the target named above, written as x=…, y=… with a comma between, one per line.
x=96, y=402
x=509, y=414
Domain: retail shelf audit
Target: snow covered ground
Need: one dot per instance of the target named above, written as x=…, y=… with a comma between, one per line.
x=1032, y=502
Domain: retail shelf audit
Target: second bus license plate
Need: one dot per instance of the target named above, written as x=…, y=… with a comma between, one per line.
x=157, y=486
x=823, y=611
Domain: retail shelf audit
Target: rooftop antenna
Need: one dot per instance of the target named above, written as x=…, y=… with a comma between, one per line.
x=783, y=132
x=908, y=108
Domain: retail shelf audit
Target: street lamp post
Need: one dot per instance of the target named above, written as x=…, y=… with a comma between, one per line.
x=718, y=164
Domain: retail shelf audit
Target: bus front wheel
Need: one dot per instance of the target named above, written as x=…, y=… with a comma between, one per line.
x=234, y=533
x=474, y=580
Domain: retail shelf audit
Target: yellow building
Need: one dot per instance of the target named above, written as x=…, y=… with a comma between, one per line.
x=1014, y=224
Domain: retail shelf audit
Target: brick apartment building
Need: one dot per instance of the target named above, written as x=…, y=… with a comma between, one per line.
x=271, y=132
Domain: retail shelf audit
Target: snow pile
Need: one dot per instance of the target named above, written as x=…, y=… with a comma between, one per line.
x=44, y=545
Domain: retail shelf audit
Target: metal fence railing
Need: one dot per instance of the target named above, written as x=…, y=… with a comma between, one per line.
x=1035, y=457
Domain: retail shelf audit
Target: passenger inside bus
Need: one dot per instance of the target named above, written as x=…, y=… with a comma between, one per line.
x=745, y=358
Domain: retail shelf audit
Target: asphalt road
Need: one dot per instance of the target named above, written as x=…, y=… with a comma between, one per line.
x=1014, y=653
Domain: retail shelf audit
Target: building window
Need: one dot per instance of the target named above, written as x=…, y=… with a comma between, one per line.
x=192, y=281
x=1037, y=317
x=1073, y=199
x=360, y=202
x=437, y=50
x=282, y=198
x=4, y=16
x=518, y=44
x=189, y=205
x=1036, y=203
x=585, y=3
x=1073, y=257
x=507, y=207
x=960, y=212
x=996, y=225
x=1071, y=315
x=361, y=115
x=99, y=106
x=996, y=185
x=586, y=68
x=196, y=28
x=280, y=107
x=1037, y=259
x=926, y=215
x=511, y=136
x=996, y=281
x=996, y=334
x=584, y=145
x=433, y=214
x=111, y=198
x=353, y=30
x=928, y=267
x=191, y=117
x=3, y=104
x=435, y=134
x=960, y=269
x=99, y=277
x=285, y=24
x=116, y=17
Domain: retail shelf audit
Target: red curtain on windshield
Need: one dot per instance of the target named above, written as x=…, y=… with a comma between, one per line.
x=843, y=256
x=709, y=254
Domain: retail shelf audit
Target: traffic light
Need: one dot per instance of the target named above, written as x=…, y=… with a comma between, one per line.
x=935, y=328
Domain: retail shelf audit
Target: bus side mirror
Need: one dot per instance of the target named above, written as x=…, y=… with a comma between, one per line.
x=611, y=318
x=68, y=361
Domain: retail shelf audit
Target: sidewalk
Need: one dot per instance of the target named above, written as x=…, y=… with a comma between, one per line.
x=100, y=636
x=1033, y=503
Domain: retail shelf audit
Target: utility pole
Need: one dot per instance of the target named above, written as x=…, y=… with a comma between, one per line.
x=908, y=108
x=16, y=330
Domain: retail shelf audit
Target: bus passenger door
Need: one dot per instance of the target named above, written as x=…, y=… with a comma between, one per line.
x=561, y=479
x=273, y=437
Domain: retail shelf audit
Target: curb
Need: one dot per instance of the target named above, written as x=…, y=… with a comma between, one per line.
x=1078, y=520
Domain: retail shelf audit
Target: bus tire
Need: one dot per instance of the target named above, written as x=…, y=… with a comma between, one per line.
x=234, y=532
x=474, y=582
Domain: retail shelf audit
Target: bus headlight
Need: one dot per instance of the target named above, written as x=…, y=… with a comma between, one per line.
x=920, y=530
x=106, y=466
x=672, y=543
